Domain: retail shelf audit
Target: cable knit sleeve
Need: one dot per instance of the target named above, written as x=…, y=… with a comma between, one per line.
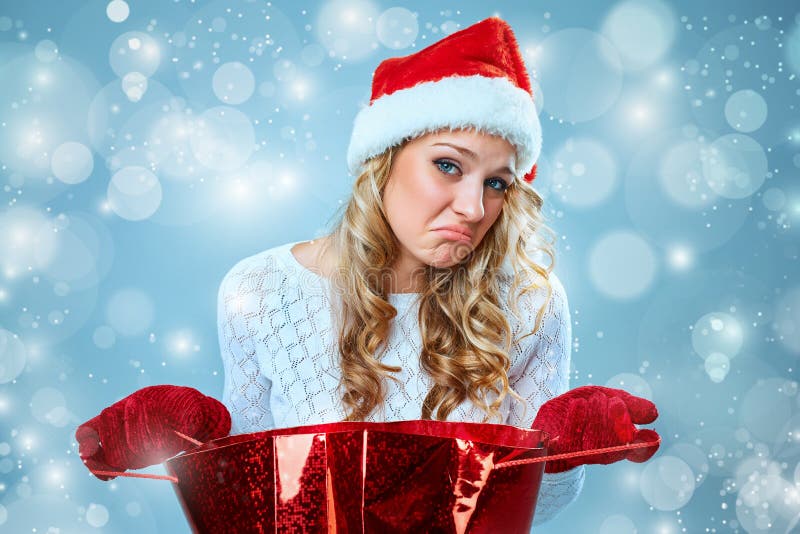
x=546, y=375
x=246, y=391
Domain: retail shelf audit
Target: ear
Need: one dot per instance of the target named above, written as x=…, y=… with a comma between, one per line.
x=529, y=177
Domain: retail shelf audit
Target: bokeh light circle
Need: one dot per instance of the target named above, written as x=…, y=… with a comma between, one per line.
x=6, y=465
x=134, y=52
x=397, y=28
x=117, y=10
x=284, y=70
x=584, y=173
x=622, y=265
x=680, y=173
x=641, y=30
x=717, y=366
x=773, y=199
x=134, y=193
x=104, y=337
x=694, y=457
x=130, y=312
x=763, y=22
x=97, y=515
x=735, y=166
x=717, y=332
x=346, y=28
x=746, y=110
x=72, y=162
x=46, y=51
x=233, y=83
x=134, y=509
x=731, y=52
x=667, y=483
x=219, y=24
x=134, y=85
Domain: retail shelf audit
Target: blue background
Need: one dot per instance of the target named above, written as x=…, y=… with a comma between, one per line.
x=669, y=171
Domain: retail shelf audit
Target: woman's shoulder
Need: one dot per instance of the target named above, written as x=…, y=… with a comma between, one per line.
x=260, y=270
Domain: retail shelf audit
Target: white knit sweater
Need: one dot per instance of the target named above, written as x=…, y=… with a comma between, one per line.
x=279, y=355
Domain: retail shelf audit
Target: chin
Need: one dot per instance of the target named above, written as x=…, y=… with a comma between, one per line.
x=450, y=254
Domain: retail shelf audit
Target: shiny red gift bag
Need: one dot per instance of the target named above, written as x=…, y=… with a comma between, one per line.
x=356, y=477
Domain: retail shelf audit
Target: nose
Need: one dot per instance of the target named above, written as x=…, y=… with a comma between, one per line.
x=468, y=201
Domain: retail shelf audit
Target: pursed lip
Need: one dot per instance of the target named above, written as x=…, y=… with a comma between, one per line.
x=460, y=229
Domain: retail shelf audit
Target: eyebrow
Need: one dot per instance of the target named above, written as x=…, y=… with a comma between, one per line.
x=472, y=155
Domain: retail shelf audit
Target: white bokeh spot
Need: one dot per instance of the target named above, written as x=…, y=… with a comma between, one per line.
x=117, y=11
x=72, y=162
x=134, y=193
x=622, y=265
x=233, y=83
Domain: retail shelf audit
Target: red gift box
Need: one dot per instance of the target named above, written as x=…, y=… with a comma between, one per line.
x=357, y=477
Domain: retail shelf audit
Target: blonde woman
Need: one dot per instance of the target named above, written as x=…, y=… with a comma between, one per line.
x=432, y=297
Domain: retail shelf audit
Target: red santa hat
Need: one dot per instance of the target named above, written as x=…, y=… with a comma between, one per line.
x=475, y=77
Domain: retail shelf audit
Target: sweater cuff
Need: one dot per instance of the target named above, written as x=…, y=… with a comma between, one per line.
x=557, y=491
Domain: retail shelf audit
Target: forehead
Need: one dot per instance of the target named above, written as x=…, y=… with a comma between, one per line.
x=481, y=143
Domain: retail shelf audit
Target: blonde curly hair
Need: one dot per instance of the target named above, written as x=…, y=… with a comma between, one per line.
x=465, y=335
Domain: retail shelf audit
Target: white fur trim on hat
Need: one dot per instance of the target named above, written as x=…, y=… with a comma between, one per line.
x=493, y=105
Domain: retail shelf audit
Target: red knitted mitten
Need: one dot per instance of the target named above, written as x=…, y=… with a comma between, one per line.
x=138, y=431
x=595, y=417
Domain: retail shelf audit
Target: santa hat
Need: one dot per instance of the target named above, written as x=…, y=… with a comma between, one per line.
x=475, y=77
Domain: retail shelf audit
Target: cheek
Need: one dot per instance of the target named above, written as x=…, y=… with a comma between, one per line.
x=417, y=196
x=492, y=210
x=402, y=205
x=420, y=183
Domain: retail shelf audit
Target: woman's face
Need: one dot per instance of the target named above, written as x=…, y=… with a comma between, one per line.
x=446, y=179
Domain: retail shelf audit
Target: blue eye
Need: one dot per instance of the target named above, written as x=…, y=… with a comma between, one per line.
x=503, y=184
x=440, y=162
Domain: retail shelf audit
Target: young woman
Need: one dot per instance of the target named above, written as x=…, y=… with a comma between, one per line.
x=433, y=296
x=408, y=309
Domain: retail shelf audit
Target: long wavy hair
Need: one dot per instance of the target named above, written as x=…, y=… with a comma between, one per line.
x=465, y=334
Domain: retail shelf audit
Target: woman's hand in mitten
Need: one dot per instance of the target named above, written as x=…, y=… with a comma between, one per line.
x=595, y=417
x=139, y=430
